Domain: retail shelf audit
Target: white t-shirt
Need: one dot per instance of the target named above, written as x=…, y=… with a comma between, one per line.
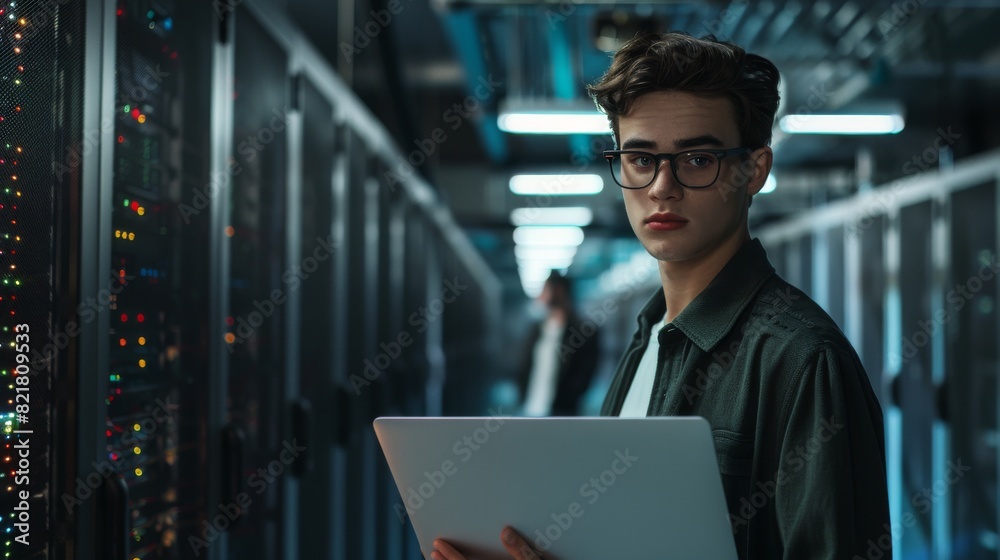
x=637, y=399
x=544, y=370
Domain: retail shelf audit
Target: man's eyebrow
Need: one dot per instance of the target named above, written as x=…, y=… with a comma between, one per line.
x=682, y=144
x=638, y=144
x=703, y=140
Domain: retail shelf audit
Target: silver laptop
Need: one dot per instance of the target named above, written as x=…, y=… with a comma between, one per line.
x=576, y=488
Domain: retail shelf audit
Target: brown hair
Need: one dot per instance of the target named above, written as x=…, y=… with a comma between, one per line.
x=706, y=67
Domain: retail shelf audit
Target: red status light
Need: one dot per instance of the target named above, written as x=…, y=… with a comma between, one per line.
x=134, y=205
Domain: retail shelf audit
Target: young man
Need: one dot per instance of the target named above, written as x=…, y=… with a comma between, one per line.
x=797, y=429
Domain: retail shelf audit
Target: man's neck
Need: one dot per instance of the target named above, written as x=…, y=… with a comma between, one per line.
x=684, y=280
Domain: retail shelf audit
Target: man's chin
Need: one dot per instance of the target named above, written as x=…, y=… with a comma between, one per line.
x=666, y=252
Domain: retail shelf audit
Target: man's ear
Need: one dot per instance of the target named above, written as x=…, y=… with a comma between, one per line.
x=762, y=159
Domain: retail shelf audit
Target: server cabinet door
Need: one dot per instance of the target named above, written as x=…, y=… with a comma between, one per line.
x=871, y=307
x=363, y=368
x=158, y=356
x=395, y=339
x=913, y=389
x=970, y=394
x=316, y=375
x=39, y=173
x=259, y=455
x=415, y=299
x=413, y=383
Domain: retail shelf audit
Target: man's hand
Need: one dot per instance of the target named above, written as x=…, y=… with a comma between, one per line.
x=515, y=545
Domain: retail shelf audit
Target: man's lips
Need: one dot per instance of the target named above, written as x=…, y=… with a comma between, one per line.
x=665, y=221
x=665, y=217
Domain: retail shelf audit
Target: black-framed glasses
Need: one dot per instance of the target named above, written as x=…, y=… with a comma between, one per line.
x=697, y=169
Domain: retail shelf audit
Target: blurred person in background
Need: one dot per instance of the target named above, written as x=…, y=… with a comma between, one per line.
x=560, y=355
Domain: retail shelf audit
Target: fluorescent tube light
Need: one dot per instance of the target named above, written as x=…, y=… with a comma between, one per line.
x=532, y=288
x=536, y=273
x=842, y=124
x=556, y=185
x=554, y=122
x=566, y=236
x=566, y=216
x=547, y=264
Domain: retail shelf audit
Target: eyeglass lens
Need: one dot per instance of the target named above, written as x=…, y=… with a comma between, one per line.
x=691, y=169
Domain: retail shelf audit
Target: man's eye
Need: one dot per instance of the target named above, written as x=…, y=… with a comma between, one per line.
x=642, y=161
x=700, y=160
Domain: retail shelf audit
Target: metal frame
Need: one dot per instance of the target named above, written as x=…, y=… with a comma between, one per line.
x=222, y=140
x=95, y=252
x=339, y=458
x=881, y=200
x=996, y=297
x=293, y=307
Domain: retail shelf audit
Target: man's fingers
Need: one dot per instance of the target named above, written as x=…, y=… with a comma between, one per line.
x=444, y=551
x=516, y=546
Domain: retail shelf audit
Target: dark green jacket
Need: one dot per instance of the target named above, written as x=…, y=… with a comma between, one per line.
x=797, y=428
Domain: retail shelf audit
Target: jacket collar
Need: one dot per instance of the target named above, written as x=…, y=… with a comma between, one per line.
x=714, y=312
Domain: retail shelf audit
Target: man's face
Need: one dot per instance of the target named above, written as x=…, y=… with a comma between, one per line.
x=708, y=218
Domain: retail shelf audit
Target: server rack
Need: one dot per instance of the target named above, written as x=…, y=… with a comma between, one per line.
x=260, y=280
x=41, y=124
x=919, y=256
x=157, y=396
x=232, y=155
x=384, y=216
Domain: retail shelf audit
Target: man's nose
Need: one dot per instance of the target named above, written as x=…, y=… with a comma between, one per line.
x=665, y=185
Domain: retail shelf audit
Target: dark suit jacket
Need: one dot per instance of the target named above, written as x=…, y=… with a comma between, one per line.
x=578, y=351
